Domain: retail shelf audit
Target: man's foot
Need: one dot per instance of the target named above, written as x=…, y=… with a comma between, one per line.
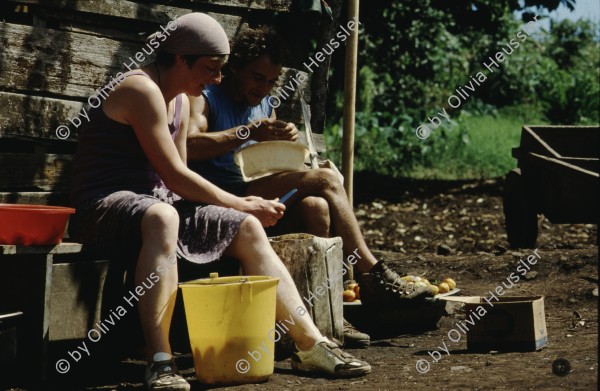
x=354, y=338
x=164, y=376
x=383, y=287
x=327, y=358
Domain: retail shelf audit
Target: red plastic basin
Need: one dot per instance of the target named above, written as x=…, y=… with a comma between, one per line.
x=33, y=225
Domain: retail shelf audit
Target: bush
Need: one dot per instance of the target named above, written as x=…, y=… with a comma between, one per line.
x=553, y=78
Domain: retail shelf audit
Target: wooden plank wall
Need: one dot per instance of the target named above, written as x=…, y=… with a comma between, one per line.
x=54, y=54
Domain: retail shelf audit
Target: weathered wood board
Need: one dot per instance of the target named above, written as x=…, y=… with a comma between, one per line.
x=76, y=299
x=147, y=10
x=63, y=65
x=44, y=171
x=316, y=268
x=51, y=174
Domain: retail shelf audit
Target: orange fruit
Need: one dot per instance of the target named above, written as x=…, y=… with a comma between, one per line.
x=349, y=295
x=357, y=292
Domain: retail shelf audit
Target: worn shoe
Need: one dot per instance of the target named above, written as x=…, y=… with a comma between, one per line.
x=164, y=376
x=354, y=338
x=382, y=287
x=327, y=358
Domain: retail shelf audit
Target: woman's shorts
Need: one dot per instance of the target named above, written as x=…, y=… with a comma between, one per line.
x=111, y=225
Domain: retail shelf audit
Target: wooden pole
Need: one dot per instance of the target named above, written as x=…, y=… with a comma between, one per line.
x=350, y=103
x=349, y=108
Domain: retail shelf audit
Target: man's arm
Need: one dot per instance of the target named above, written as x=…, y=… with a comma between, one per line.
x=204, y=145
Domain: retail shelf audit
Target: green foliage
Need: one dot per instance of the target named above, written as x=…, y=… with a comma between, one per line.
x=569, y=86
x=415, y=53
x=477, y=145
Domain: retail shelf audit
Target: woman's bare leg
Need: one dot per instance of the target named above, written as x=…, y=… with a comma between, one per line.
x=257, y=257
x=160, y=227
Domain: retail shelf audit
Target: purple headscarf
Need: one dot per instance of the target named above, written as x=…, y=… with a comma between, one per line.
x=193, y=34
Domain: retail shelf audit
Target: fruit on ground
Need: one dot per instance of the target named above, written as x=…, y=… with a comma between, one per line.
x=349, y=295
x=356, y=290
x=444, y=288
x=434, y=289
x=451, y=283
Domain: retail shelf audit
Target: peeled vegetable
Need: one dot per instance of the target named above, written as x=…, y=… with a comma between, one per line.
x=437, y=286
x=444, y=288
x=451, y=283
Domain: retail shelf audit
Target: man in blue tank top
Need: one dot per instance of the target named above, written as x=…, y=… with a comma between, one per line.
x=320, y=207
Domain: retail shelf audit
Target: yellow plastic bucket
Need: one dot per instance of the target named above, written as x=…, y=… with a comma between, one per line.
x=227, y=318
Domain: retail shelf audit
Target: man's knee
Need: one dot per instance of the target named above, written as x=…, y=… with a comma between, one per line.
x=327, y=179
x=315, y=205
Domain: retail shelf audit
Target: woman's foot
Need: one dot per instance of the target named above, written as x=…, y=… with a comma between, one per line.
x=162, y=375
x=328, y=359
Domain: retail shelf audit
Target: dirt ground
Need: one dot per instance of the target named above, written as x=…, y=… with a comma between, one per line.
x=407, y=227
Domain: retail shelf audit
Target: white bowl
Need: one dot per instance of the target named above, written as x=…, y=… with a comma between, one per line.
x=269, y=157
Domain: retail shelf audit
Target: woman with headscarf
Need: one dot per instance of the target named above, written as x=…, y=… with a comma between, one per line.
x=135, y=195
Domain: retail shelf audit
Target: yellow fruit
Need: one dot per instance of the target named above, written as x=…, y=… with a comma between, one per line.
x=351, y=286
x=444, y=288
x=407, y=278
x=357, y=292
x=349, y=295
x=451, y=283
x=434, y=289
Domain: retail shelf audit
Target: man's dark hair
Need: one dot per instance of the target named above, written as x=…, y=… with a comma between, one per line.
x=254, y=43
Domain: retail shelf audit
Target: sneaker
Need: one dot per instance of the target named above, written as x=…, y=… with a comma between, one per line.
x=354, y=338
x=164, y=376
x=384, y=287
x=327, y=358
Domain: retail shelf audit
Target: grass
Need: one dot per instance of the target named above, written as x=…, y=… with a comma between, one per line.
x=486, y=152
x=474, y=146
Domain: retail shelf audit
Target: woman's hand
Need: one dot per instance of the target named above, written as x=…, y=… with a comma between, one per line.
x=268, y=212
